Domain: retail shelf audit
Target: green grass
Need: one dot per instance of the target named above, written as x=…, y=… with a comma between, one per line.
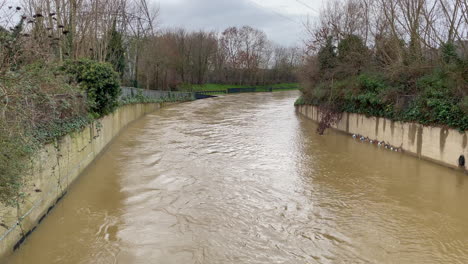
x=217, y=87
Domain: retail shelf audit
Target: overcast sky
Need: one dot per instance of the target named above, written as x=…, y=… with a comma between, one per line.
x=282, y=20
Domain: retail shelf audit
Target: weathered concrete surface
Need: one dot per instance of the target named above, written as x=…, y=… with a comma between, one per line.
x=55, y=167
x=440, y=145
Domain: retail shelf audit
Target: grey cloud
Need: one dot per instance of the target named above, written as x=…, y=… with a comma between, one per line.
x=220, y=14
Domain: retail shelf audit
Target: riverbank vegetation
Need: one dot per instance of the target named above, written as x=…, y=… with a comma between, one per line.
x=399, y=59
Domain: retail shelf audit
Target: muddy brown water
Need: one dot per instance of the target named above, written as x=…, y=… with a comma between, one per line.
x=244, y=179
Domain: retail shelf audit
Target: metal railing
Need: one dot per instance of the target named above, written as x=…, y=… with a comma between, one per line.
x=129, y=92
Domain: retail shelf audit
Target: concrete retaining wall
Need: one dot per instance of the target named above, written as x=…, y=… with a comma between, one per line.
x=55, y=167
x=440, y=145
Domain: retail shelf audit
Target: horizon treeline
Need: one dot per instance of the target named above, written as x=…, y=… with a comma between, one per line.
x=125, y=33
x=241, y=56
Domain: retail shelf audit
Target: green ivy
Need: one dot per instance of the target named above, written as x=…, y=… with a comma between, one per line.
x=47, y=133
x=14, y=154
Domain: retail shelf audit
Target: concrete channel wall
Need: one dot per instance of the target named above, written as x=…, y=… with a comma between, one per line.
x=440, y=145
x=55, y=167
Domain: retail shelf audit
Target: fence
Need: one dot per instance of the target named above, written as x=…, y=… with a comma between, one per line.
x=128, y=92
x=284, y=88
x=156, y=94
x=249, y=90
x=212, y=92
x=259, y=89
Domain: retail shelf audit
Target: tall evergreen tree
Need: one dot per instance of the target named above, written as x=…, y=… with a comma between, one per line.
x=327, y=56
x=116, y=51
x=10, y=46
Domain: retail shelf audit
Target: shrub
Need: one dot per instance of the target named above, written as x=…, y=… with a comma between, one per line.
x=464, y=105
x=449, y=53
x=327, y=56
x=371, y=83
x=100, y=82
x=300, y=101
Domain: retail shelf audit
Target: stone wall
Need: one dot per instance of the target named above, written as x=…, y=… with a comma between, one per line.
x=440, y=145
x=55, y=167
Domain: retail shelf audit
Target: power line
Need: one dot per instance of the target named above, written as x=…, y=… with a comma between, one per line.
x=273, y=11
x=307, y=5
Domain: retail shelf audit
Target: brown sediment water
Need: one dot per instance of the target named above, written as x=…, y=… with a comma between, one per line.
x=244, y=179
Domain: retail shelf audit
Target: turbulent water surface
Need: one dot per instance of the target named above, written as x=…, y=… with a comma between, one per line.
x=244, y=179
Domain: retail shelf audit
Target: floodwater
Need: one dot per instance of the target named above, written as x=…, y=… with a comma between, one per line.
x=244, y=179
